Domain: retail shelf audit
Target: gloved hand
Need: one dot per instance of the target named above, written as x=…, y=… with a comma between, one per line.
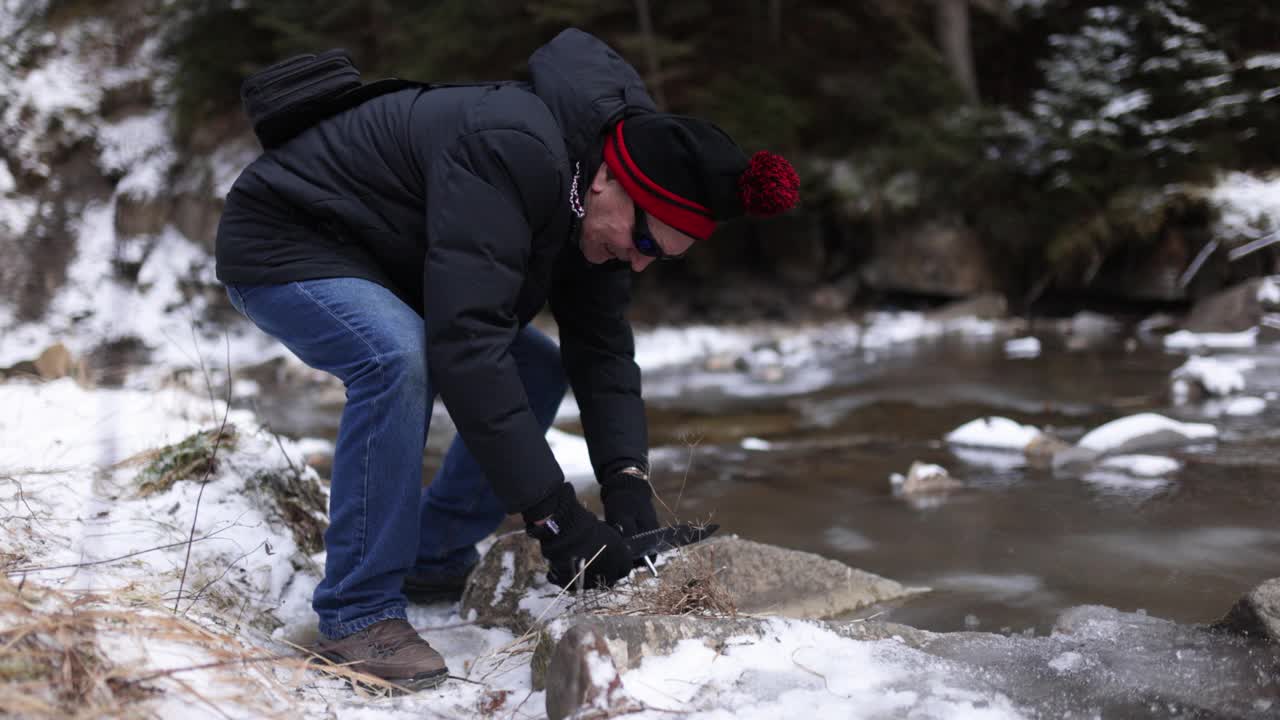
x=628, y=503
x=570, y=535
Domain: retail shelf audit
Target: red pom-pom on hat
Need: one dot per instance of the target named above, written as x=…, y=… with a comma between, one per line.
x=769, y=185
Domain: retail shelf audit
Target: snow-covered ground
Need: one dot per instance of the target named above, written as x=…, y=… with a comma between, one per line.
x=79, y=533
x=72, y=462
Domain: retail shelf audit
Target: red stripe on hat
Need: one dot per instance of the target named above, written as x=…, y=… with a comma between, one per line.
x=682, y=214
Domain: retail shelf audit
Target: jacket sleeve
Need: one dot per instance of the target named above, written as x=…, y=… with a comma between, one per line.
x=598, y=350
x=487, y=196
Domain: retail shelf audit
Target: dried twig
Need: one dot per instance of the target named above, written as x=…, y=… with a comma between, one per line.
x=675, y=512
x=510, y=648
x=91, y=563
x=274, y=657
x=227, y=569
x=685, y=479
x=213, y=456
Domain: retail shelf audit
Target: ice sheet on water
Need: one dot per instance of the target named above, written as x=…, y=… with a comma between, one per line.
x=1134, y=662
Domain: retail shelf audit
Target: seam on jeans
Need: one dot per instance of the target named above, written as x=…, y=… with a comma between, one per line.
x=376, y=355
x=244, y=304
x=364, y=495
x=368, y=449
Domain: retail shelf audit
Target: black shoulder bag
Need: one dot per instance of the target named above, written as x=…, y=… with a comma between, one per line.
x=290, y=96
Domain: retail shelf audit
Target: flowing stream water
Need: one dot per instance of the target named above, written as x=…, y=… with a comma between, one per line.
x=1015, y=545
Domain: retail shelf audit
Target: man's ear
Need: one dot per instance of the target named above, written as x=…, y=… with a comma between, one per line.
x=602, y=179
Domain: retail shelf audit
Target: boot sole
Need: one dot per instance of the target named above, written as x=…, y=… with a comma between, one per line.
x=419, y=682
x=423, y=681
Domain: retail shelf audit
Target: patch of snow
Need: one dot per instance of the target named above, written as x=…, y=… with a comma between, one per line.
x=63, y=85
x=93, y=306
x=1000, y=460
x=1125, y=484
x=993, y=432
x=1218, y=376
x=1087, y=324
x=754, y=443
x=1248, y=206
x=1142, y=465
x=128, y=142
x=1067, y=662
x=1269, y=290
x=1236, y=406
x=1026, y=347
x=1187, y=340
x=1126, y=103
x=676, y=346
x=802, y=670
x=571, y=452
x=1264, y=61
x=1117, y=432
x=508, y=577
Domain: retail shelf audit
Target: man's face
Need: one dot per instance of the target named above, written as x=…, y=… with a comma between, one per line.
x=610, y=221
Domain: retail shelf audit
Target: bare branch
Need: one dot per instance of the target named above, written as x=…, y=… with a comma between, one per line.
x=213, y=457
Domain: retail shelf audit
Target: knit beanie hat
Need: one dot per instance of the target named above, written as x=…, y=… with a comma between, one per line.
x=690, y=174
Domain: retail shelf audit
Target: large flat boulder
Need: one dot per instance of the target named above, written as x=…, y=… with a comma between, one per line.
x=766, y=579
x=1235, y=309
x=508, y=588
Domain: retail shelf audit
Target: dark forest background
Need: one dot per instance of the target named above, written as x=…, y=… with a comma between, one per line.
x=1070, y=139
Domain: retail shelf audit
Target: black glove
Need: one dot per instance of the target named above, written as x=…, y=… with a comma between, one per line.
x=572, y=535
x=628, y=503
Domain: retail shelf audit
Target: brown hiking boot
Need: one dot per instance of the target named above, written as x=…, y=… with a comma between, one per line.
x=391, y=650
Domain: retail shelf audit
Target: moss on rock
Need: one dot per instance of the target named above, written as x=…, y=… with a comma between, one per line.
x=190, y=459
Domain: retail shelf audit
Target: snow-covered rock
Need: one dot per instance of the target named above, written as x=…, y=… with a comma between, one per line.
x=1144, y=431
x=922, y=479
x=994, y=432
x=1211, y=375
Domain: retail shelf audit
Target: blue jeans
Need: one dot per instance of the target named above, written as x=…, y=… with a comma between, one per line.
x=382, y=524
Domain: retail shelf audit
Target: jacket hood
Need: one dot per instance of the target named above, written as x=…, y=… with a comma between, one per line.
x=588, y=88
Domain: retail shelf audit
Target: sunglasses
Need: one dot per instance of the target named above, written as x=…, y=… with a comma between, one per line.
x=644, y=241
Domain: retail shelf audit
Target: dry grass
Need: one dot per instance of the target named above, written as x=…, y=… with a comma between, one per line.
x=54, y=661
x=297, y=502
x=50, y=662
x=10, y=560
x=688, y=584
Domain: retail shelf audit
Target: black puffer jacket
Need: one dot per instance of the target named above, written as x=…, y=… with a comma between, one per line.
x=457, y=199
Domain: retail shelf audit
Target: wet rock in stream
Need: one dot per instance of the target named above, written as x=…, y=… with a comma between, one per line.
x=1257, y=614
